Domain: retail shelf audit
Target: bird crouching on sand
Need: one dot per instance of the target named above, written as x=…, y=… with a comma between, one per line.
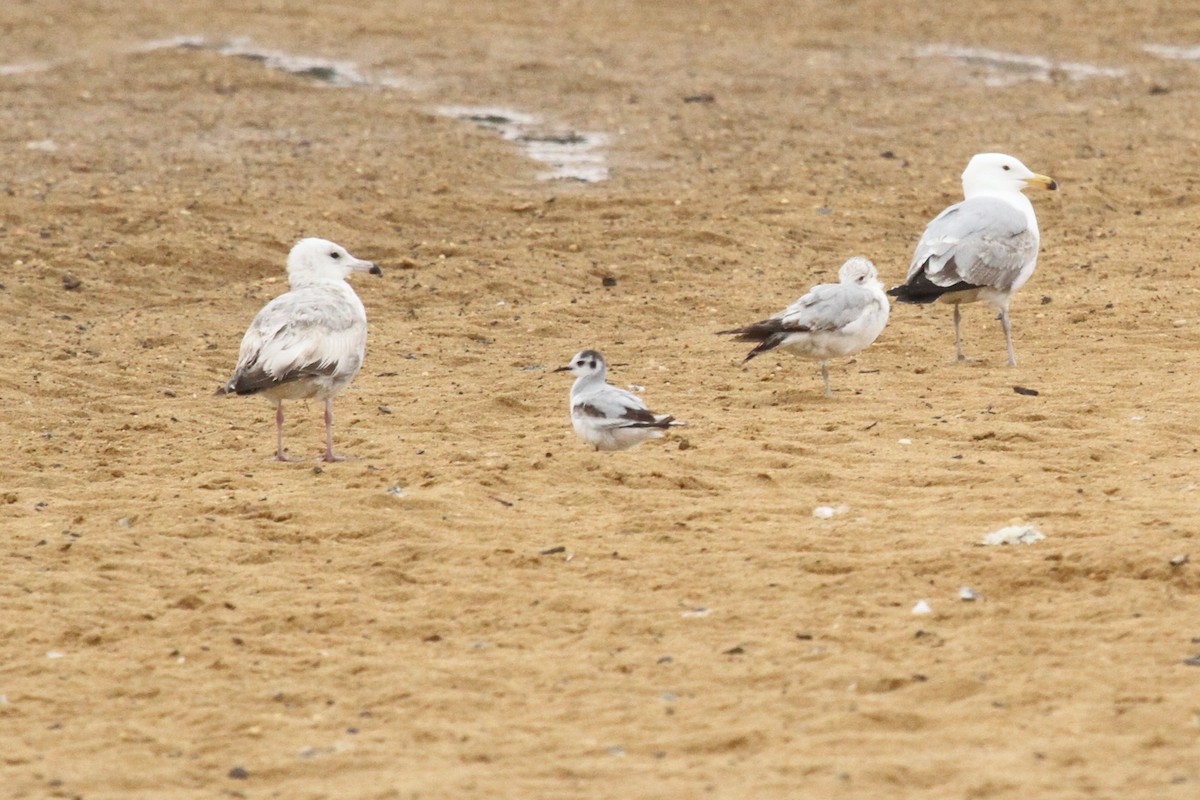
x=830, y=321
x=308, y=343
x=604, y=416
x=984, y=248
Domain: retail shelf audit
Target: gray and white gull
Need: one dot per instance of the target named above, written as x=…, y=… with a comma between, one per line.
x=984, y=248
x=310, y=342
x=830, y=321
x=604, y=416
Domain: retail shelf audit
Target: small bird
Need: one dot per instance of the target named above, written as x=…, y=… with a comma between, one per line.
x=832, y=320
x=309, y=342
x=604, y=416
x=984, y=248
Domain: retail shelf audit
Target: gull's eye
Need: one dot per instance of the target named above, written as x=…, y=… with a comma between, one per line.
x=579, y=363
x=335, y=254
x=1006, y=167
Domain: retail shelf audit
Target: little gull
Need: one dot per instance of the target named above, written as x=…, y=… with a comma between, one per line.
x=984, y=248
x=832, y=320
x=308, y=342
x=604, y=416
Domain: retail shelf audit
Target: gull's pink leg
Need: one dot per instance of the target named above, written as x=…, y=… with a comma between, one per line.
x=329, y=454
x=279, y=454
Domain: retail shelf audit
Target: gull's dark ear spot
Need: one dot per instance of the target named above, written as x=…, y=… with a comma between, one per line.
x=593, y=364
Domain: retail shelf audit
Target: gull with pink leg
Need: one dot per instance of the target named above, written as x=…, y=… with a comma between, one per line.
x=308, y=343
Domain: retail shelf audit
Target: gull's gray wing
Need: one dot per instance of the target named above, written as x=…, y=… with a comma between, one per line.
x=828, y=307
x=978, y=242
x=304, y=333
x=611, y=407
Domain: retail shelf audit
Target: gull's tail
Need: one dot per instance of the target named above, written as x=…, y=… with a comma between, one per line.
x=920, y=290
x=769, y=334
x=663, y=421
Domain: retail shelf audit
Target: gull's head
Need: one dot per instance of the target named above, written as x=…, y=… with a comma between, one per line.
x=322, y=261
x=586, y=363
x=988, y=173
x=858, y=270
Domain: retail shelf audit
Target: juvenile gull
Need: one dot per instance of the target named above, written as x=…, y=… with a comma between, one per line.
x=984, y=248
x=604, y=416
x=309, y=342
x=832, y=320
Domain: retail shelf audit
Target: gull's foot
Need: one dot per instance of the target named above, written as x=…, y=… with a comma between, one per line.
x=283, y=458
x=330, y=457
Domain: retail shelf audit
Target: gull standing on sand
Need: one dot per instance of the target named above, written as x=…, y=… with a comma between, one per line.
x=984, y=248
x=604, y=416
x=309, y=342
x=832, y=320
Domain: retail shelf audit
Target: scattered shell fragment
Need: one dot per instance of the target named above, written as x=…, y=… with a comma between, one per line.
x=967, y=594
x=826, y=512
x=1014, y=534
x=693, y=613
x=922, y=607
x=1180, y=560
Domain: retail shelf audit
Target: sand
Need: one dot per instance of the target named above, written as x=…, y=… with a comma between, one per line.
x=481, y=606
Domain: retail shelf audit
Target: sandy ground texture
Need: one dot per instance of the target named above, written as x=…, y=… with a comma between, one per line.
x=481, y=606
